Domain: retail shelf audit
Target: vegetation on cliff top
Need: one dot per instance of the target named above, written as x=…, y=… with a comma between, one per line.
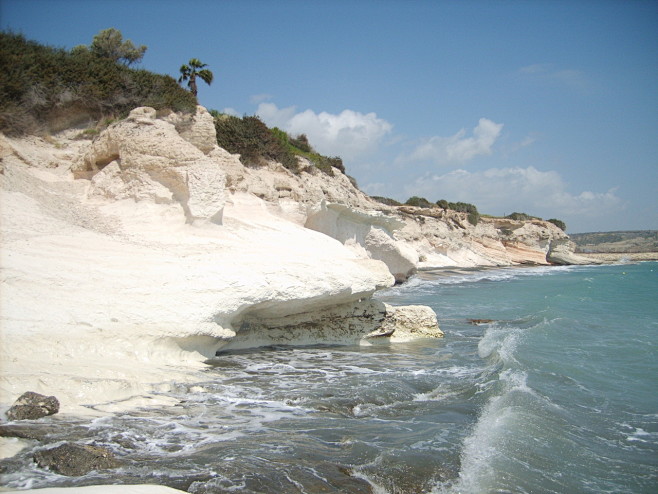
x=257, y=143
x=462, y=207
x=47, y=88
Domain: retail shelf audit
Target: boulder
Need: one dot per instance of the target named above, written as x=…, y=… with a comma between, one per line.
x=76, y=459
x=410, y=322
x=31, y=406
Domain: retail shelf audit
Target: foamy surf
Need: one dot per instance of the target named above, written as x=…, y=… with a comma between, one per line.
x=554, y=395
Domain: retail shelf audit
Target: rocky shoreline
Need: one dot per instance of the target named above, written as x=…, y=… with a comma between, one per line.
x=140, y=254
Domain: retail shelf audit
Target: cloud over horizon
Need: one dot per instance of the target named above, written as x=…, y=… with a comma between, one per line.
x=348, y=134
x=457, y=148
x=505, y=190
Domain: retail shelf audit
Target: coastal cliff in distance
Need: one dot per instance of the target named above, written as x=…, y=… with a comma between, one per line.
x=141, y=253
x=640, y=245
x=623, y=242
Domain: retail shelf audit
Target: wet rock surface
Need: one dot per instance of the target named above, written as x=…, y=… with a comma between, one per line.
x=76, y=459
x=31, y=406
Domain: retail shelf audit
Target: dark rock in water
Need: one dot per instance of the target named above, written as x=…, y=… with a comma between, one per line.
x=76, y=459
x=25, y=431
x=32, y=406
x=477, y=322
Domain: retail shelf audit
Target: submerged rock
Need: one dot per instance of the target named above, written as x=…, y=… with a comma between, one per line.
x=76, y=459
x=478, y=322
x=26, y=431
x=31, y=406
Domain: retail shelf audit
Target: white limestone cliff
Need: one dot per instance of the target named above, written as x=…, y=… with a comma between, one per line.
x=128, y=261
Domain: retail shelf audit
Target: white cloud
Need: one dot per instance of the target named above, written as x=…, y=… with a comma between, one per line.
x=505, y=190
x=458, y=148
x=259, y=98
x=347, y=134
x=549, y=72
x=231, y=111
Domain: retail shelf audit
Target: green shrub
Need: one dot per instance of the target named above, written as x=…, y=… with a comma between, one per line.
x=301, y=143
x=327, y=163
x=473, y=218
x=521, y=217
x=419, y=202
x=255, y=143
x=46, y=86
x=462, y=207
x=253, y=140
x=559, y=223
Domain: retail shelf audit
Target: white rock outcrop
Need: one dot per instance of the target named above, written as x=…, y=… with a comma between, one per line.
x=113, y=287
x=197, y=129
x=129, y=260
x=362, y=321
x=405, y=238
x=144, y=158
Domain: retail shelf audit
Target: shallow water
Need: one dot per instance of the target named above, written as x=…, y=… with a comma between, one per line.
x=557, y=394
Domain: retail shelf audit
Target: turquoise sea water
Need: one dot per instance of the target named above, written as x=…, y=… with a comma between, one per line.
x=557, y=394
x=569, y=383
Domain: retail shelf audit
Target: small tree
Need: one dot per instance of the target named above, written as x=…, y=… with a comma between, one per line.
x=109, y=43
x=191, y=71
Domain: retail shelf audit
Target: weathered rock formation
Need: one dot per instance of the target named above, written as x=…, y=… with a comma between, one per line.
x=141, y=254
x=76, y=459
x=349, y=323
x=143, y=157
x=31, y=406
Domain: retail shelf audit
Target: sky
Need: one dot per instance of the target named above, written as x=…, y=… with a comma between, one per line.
x=549, y=108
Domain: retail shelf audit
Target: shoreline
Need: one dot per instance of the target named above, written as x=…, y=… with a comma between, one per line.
x=613, y=257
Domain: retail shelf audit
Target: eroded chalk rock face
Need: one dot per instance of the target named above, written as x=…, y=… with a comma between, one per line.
x=31, y=406
x=400, y=259
x=351, y=323
x=76, y=459
x=197, y=129
x=145, y=158
x=561, y=252
x=368, y=232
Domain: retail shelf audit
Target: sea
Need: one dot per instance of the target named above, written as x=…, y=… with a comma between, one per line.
x=546, y=382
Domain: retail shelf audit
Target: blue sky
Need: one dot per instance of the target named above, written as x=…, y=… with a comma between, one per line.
x=543, y=107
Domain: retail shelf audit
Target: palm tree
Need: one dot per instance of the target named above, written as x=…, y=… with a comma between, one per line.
x=190, y=72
